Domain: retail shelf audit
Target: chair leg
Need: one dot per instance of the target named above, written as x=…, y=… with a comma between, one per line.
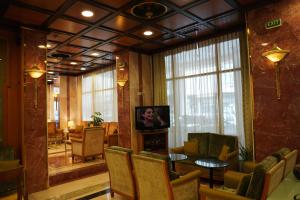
x=112, y=193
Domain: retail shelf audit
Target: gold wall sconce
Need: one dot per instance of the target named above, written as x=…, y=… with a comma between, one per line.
x=122, y=83
x=35, y=72
x=275, y=55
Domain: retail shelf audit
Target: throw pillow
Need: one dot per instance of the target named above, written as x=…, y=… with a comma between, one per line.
x=243, y=185
x=191, y=148
x=224, y=153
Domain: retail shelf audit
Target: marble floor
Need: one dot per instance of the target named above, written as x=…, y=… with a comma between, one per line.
x=94, y=187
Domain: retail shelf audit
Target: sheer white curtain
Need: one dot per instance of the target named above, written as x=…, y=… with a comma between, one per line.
x=99, y=94
x=204, y=88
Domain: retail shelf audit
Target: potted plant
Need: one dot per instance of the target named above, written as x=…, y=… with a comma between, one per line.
x=97, y=119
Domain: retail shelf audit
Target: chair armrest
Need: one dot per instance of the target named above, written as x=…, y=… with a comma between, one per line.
x=248, y=166
x=186, y=178
x=179, y=150
x=80, y=140
x=233, y=178
x=213, y=194
x=187, y=186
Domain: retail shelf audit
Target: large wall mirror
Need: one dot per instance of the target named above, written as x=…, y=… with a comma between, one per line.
x=3, y=63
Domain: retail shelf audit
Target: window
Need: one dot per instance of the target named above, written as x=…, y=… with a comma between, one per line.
x=56, y=103
x=99, y=94
x=204, y=88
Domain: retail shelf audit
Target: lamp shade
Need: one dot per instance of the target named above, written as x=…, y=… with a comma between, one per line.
x=276, y=54
x=121, y=82
x=71, y=124
x=35, y=71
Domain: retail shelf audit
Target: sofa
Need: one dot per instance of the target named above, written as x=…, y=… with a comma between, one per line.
x=207, y=145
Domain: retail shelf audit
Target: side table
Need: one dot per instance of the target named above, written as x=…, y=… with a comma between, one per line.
x=176, y=157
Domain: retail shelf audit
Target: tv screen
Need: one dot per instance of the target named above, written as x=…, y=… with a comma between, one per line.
x=152, y=117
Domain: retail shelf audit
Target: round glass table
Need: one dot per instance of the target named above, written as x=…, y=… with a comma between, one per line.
x=175, y=157
x=211, y=164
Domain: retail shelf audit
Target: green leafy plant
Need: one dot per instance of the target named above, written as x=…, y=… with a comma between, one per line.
x=97, y=119
x=245, y=153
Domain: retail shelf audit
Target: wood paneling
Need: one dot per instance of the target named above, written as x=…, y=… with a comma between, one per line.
x=109, y=47
x=84, y=42
x=114, y=3
x=210, y=8
x=121, y=23
x=100, y=34
x=126, y=41
x=82, y=58
x=181, y=2
x=50, y=5
x=25, y=16
x=68, y=26
x=175, y=22
x=70, y=49
x=78, y=7
x=227, y=21
x=57, y=37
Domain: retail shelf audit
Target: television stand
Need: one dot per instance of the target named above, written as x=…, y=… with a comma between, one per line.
x=154, y=141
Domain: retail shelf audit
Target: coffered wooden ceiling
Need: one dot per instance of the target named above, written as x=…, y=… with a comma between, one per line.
x=113, y=28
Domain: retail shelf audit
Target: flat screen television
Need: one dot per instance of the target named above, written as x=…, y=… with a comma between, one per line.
x=152, y=117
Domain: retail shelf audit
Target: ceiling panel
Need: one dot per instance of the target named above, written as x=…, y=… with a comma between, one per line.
x=121, y=23
x=102, y=61
x=109, y=47
x=70, y=49
x=176, y=21
x=46, y=4
x=210, y=8
x=82, y=58
x=58, y=37
x=25, y=16
x=78, y=7
x=181, y=2
x=68, y=26
x=247, y=2
x=227, y=21
x=126, y=41
x=149, y=46
x=114, y=3
x=83, y=42
x=173, y=41
x=100, y=34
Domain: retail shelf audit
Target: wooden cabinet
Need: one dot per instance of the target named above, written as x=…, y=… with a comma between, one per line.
x=155, y=141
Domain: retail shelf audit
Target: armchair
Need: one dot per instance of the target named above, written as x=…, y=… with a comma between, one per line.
x=119, y=166
x=258, y=185
x=76, y=133
x=90, y=145
x=54, y=134
x=153, y=182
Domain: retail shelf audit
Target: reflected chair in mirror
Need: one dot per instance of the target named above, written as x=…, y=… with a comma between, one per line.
x=90, y=145
x=153, y=182
x=119, y=166
x=54, y=135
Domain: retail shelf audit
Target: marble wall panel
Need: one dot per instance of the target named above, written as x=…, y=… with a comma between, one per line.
x=276, y=122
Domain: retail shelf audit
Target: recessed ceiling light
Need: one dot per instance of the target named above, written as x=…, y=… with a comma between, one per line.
x=50, y=72
x=48, y=45
x=41, y=46
x=117, y=57
x=82, y=68
x=95, y=54
x=0, y=59
x=264, y=44
x=49, y=80
x=148, y=33
x=73, y=63
x=87, y=13
x=54, y=78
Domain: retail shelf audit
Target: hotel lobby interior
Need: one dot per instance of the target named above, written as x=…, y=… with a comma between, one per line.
x=158, y=99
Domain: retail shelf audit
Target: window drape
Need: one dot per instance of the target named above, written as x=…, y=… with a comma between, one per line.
x=99, y=94
x=204, y=88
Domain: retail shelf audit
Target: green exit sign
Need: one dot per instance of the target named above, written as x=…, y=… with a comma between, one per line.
x=273, y=23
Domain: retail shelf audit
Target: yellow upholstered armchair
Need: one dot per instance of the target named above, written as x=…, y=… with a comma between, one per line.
x=119, y=166
x=258, y=185
x=54, y=134
x=153, y=182
x=90, y=145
